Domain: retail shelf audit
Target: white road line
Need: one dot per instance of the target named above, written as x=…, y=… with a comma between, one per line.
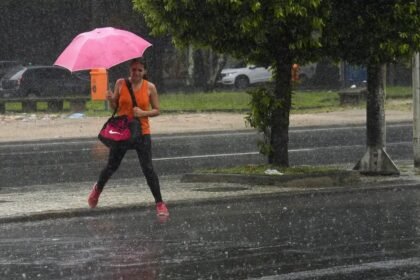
x=207, y=156
x=345, y=269
x=193, y=135
x=219, y=155
x=328, y=129
x=256, y=153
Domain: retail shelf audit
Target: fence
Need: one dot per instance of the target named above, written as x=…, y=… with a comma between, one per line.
x=54, y=104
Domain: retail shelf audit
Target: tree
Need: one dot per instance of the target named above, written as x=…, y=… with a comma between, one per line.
x=274, y=33
x=373, y=33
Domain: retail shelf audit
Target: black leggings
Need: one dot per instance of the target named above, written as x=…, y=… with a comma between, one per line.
x=144, y=153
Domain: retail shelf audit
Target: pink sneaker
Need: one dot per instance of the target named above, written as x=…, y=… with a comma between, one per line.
x=94, y=196
x=161, y=209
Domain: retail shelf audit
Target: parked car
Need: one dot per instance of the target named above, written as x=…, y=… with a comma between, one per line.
x=43, y=81
x=6, y=66
x=245, y=76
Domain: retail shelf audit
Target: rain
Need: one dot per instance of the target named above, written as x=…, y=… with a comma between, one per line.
x=276, y=140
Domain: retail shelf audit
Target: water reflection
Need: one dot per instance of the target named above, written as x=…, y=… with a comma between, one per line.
x=127, y=254
x=243, y=238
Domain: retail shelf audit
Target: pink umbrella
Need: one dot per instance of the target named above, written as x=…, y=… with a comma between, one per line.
x=101, y=48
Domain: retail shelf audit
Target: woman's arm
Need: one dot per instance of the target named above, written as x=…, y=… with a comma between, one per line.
x=114, y=96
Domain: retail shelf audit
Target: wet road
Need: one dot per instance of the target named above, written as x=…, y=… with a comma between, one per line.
x=365, y=235
x=45, y=162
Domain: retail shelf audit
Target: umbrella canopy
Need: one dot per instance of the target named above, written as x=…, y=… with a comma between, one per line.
x=101, y=48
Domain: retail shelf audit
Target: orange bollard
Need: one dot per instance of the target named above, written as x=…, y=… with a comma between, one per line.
x=98, y=83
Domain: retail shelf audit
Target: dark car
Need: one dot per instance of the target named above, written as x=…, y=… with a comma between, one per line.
x=43, y=81
x=7, y=65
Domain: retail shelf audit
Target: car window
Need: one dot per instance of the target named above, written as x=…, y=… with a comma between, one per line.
x=241, y=64
x=17, y=75
x=14, y=72
x=33, y=74
x=55, y=74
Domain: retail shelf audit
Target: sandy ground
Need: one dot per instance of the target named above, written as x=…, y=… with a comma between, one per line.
x=23, y=127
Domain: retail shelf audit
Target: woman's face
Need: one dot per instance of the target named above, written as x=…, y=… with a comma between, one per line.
x=137, y=71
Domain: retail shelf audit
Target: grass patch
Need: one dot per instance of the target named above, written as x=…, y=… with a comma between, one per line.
x=213, y=101
x=252, y=169
x=235, y=101
x=13, y=106
x=303, y=100
x=399, y=92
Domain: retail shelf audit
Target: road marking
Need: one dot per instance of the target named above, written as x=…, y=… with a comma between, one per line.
x=88, y=140
x=215, y=155
x=345, y=269
x=207, y=156
x=329, y=129
x=256, y=153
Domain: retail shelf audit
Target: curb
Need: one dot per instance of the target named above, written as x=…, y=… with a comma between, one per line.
x=394, y=185
x=324, y=179
x=70, y=213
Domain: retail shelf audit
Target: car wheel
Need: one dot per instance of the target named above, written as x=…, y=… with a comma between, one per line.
x=241, y=82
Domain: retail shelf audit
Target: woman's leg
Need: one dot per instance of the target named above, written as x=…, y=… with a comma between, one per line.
x=114, y=160
x=144, y=153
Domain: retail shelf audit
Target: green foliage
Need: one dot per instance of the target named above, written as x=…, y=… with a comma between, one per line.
x=250, y=29
x=263, y=103
x=273, y=33
x=372, y=31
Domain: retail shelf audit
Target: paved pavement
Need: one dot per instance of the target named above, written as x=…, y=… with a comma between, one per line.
x=70, y=199
x=40, y=127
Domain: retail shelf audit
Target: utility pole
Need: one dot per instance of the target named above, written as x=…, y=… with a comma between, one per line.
x=376, y=160
x=416, y=109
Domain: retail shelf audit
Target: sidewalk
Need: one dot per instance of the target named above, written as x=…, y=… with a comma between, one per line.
x=25, y=127
x=70, y=199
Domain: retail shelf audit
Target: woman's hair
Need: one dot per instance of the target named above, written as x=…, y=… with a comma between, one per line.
x=142, y=61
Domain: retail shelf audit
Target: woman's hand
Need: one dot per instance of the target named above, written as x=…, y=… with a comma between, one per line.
x=112, y=100
x=138, y=113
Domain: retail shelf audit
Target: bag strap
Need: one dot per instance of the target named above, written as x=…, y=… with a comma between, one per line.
x=133, y=99
x=115, y=111
x=130, y=89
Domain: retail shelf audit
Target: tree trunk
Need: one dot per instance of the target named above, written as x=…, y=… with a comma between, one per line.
x=217, y=69
x=200, y=74
x=416, y=109
x=190, y=78
x=376, y=161
x=280, y=116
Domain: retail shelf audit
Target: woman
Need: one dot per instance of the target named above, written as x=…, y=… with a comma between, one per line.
x=148, y=106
